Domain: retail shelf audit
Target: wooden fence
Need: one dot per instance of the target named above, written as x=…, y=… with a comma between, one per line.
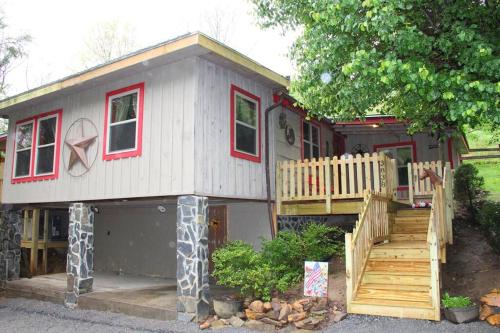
x=372, y=226
x=423, y=187
x=334, y=178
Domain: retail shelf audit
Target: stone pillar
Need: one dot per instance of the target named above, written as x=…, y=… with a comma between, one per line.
x=192, y=257
x=80, y=261
x=10, y=245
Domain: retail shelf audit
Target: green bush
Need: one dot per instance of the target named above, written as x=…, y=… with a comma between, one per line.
x=456, y=301
x=489, y=218
x=280, y=264
x=468, y=190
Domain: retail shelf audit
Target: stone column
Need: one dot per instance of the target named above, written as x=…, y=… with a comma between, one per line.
x=10, y=245
x=192, y=257
x=80, y=261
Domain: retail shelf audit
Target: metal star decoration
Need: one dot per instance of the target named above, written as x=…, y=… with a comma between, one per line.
x=79, y=148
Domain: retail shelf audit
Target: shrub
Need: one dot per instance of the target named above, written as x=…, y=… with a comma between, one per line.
x=468, y=189
x=238, y=265
x=456, y=301
x=280, y=264
x=489, y=218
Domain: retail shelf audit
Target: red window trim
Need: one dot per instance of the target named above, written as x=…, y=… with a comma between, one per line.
x=400, y=144
x=238, y=154
x=314, y=123
x=138, y=149
x=34, y=144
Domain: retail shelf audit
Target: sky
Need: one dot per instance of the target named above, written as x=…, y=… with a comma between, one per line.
x=60, y=28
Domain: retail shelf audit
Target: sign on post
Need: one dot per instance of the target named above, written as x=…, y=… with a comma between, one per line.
x=315, y=279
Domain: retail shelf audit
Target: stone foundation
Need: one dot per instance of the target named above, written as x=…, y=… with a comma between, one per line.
x=192, y=257
x=80, y=261
x=10, y=245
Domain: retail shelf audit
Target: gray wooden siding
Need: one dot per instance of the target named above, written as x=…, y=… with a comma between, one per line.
x=217, y=173
x=166, y=164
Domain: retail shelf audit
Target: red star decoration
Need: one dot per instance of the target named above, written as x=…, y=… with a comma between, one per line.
x=79, y=148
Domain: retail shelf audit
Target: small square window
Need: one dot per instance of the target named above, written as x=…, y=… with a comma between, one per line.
x=245, y=122
x=310, y=140
x=123, y=123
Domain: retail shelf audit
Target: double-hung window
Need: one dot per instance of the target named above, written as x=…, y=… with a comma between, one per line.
x=123, y=123
x=245, y=125
x=403, y=153
x=310, y=140
x=36, y=147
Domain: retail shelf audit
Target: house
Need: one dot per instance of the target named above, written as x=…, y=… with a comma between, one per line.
x=160, y=157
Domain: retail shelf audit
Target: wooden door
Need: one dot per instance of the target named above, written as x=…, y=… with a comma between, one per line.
x=217, y=231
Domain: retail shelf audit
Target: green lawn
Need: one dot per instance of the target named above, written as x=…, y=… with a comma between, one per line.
x=490, y=170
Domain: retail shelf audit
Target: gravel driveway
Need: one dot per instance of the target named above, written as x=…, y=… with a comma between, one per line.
x=20, y=315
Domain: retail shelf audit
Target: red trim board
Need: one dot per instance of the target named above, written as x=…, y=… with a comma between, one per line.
x=140, y=105
x=34, y=146
x=238, y=154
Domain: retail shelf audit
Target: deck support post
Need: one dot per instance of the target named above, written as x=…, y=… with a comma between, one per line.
x=10, y=245
x=192, y=257
x=80, y=261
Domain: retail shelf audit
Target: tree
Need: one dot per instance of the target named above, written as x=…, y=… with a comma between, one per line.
x=12, y=48
x=107, y=41
x=434, y=62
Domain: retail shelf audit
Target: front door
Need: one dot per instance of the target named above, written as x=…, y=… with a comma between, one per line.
x=217, y=231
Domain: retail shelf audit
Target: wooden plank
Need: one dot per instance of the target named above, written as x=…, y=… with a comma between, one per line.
x=314, y=176
x=359, y=174
x=34, y=239
x=376, y=177
x=307, y=190
x=391, y=311
x=390, y=279
x=292, y=179
x=321, y=171
x=368, y=172
x=343, y=178
x=328, y=185
x=300, y=170
x=45, y=240
x=335, y=170
x=396, y=295
x=339, y=207
x=351, y=177
x=479, y=157
x=421, y=185
x=285, y=195
x=349, y=269
x=427, y=180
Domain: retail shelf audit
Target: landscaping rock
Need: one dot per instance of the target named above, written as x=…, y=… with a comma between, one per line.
x=485, y=312
x=206, y=324
x=286, y=309
x=257, y=306
x=492, y=298
x=297, y=306
x=236, y=322
x=259, y=326
x=241, y=315
x=337, y=316
x=494, y=320
x=218, y=324
x=308, y=323
x=252, y=315
x=297, y=317
x=267, y=306
x=276, y=305
x=271, y=322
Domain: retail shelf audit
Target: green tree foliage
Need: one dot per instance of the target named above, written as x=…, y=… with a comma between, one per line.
x=435, y=62
x=468, y=189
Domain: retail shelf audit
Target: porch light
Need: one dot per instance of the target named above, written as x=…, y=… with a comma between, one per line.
x=375, y=125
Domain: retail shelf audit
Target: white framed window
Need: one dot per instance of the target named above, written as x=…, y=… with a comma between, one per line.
x=45, y=148
x=310, y=140
x=123, y=123
x=403, y=153
x=245, y=119
x=23, y=149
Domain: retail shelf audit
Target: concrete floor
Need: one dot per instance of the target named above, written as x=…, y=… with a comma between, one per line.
x=146, y=297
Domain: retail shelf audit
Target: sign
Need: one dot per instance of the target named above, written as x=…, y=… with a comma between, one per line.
x=315, y=279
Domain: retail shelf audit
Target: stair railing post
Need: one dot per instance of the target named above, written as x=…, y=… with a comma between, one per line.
x=349, y=270
x=410, y=183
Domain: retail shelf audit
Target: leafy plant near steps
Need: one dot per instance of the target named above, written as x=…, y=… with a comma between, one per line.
x=279, y=265
x=456, y=301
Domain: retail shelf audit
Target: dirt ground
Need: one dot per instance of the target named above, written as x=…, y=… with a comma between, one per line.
x=472, y=268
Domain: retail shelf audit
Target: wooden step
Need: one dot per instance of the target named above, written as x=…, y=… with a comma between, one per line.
x=394, y=295
x=409, y=228
x=411, y=219
x=409, y=236
x=403, y=245
x=414, y=212
x=398, y=266
x=399, y=253
x=407, y=287
x=390, y=302
x=417, y=310
x=395, y=279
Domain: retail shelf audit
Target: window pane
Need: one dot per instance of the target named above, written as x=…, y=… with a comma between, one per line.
x=307, y=151
x=122, y=137
x=315, y=135
x=246, y=139
x=123, y=108
x=403, y=176
x=45, y=160
x=23, y=159
x=305, y=129
x=316, y=151
x=404, y=156
x=24, y=136
x=245, y=111
x=47, y=131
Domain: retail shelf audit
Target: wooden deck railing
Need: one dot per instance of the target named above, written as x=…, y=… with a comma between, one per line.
x=439, y=233
x=423, y=187
x=372, y=226
x=334, y=178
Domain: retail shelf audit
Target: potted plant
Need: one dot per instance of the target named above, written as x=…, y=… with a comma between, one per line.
x=459, y=309
x=226, y=307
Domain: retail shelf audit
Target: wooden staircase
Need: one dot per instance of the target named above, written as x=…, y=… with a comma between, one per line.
x=397, y=277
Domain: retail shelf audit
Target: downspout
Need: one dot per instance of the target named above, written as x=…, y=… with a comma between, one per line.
x=267, y=111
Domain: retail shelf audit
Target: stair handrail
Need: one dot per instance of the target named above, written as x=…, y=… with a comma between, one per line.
x=372, y=226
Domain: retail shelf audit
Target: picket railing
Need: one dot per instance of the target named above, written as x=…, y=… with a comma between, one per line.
x=422, y=187
x=372, y=226
x=334, y=178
